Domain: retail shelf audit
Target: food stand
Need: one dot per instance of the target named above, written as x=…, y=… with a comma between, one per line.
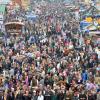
x=14, y=27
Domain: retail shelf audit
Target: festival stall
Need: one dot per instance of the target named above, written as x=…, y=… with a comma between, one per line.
x=14, y=27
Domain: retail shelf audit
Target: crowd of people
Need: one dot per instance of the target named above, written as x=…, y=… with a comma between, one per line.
x=62, y=66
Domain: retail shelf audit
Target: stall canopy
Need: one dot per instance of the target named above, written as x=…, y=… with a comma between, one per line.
x=31, y=17
x=84, y=24
x=2, y=9
x=91, y=27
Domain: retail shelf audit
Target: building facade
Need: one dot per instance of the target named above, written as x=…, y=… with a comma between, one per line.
x=2, y=16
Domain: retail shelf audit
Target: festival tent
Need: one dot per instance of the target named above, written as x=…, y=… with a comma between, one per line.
x=93, y=30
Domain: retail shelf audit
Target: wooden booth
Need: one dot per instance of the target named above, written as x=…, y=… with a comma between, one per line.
x=14, y=27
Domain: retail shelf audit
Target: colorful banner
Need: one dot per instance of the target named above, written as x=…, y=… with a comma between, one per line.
x=25, y=4
x=89, y=19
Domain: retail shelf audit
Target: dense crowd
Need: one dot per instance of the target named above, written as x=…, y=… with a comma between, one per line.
x=60, y=66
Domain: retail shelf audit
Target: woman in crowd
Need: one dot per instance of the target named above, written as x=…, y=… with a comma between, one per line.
x=57, y=67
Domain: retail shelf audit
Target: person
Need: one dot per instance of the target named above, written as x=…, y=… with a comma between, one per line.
x=75, y=97
x=27, y=96
x=34, y=95
x=19, y=96
x=47, y=93
x=40, y=97
x=82, y=96
x=60, y=95
x=54, y=95
x=91, y=96
x=8, y=96
x=1, y=95
x=98, y=95
x=84, y=76
x=68, y=96
x=49, y=57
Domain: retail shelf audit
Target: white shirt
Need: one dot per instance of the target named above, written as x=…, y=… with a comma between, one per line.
x=40, y=97
x=58, y=65
x=98, y=52
x=11, y=72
